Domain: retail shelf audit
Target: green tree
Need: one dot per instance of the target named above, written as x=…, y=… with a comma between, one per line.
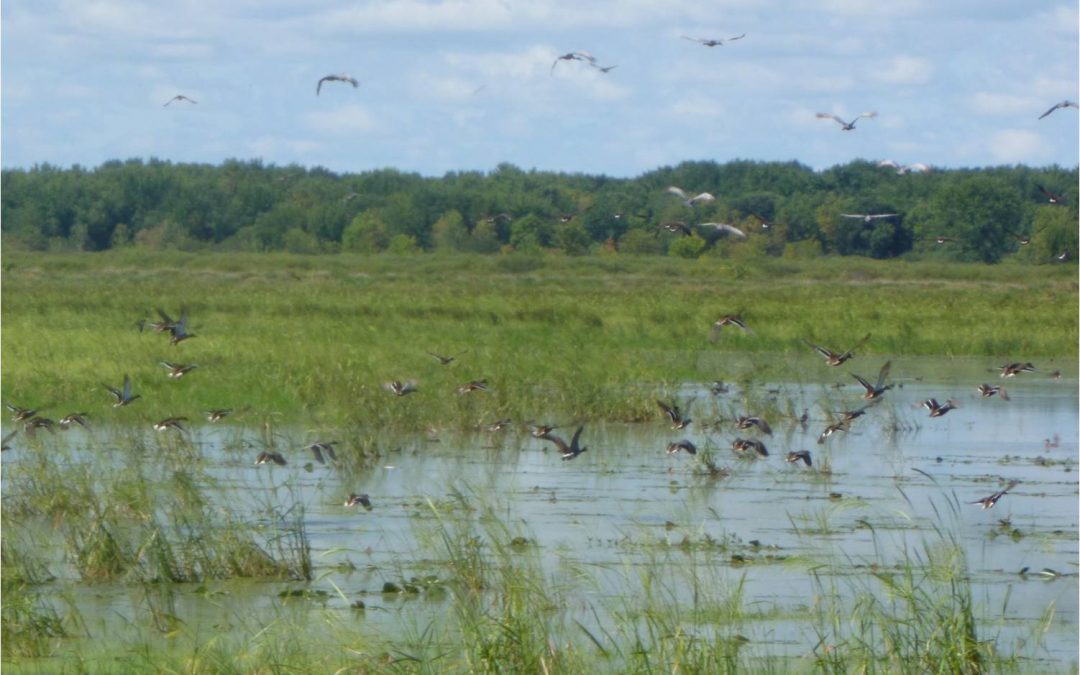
x=572, y=237
x=449, y=232
x=687, y=247
x=978, y=211
x=367, y=233
x=531, y=233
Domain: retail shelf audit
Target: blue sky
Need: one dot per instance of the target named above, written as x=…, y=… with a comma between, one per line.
x=466, y=84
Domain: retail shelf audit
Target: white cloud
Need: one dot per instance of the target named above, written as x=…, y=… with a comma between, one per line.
x=351, y=118
x=904, y=70
x=1013, y=146
x=1000, y=104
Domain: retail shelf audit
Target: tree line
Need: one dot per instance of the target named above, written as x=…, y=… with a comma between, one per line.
x=784, y=208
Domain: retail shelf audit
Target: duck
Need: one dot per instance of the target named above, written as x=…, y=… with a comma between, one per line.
x=743, y=447
x=729, y=320
x=123, y=396
x=938, y=409
x=358, y=500
x=571, y=451
x=989, y=502
x=684, y=445
x=74, y=418
x=988, y=390
x=218, y=414
x=675, y=415
x=474, y=385
x=745, y=422
x=797, y=455
x=322, y=450
x=270, y=457
x=399, y=388
x=21, y=413
x=1014, y=369
x=178, y=370
x=171, y=423
x=874, y=391
x=838, y=358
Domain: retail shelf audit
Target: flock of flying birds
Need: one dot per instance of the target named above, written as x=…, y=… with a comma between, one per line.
x=744, y=448
x=873, y=392
x=679, y=227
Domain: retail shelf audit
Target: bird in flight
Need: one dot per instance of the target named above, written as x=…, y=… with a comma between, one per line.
x=568, y=451
x=874, y=391
x=988, y=390
x=743, y=447
x=745, y=422
x=1063, y=104
x=171, y=423
x=322, y=450
x=1013, y=369
x=938, y=409
x=724, y=229
x=359, y=500
x=268, y=457
x=218, y=414
x=675, y=415
x=574, y=56
x=178, y=370
x=869, y=217
x=798, y=455
x=902, y=169
x=473, y=385
x=846, y=126
x=713, y=43
x=728, y=320
x=1052, y=197
x=838, y=358
x=685, y=445
x=181, y=97
x=399, y=388
x=343, y=77
x=74, y=418
x=123, y=396
x=687, y=200
x=988, y=502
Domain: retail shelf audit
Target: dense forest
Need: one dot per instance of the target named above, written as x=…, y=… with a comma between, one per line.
x=785, y=209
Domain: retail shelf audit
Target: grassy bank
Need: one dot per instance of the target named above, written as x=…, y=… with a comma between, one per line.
x=313, y=338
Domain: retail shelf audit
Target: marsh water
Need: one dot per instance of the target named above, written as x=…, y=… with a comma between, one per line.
x=876, y=496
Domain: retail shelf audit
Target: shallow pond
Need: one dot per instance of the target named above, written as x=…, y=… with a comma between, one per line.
x=878, y=496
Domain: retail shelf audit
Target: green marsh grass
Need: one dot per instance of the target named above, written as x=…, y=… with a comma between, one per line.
x=314, y=338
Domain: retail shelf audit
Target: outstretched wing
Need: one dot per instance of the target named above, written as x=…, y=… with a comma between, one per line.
x=882, y=374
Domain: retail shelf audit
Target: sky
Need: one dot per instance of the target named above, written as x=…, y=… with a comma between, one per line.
x=464, y=85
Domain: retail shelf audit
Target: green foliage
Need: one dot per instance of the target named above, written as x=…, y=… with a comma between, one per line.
x=979, y=211
x=403, y=244
x=572, y=238
x=246, y=206
x=367, y=233
x=639, y=241
x=449, y=232
x=687, y=247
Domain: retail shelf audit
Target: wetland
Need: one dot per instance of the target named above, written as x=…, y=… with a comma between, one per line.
x=127, y=549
